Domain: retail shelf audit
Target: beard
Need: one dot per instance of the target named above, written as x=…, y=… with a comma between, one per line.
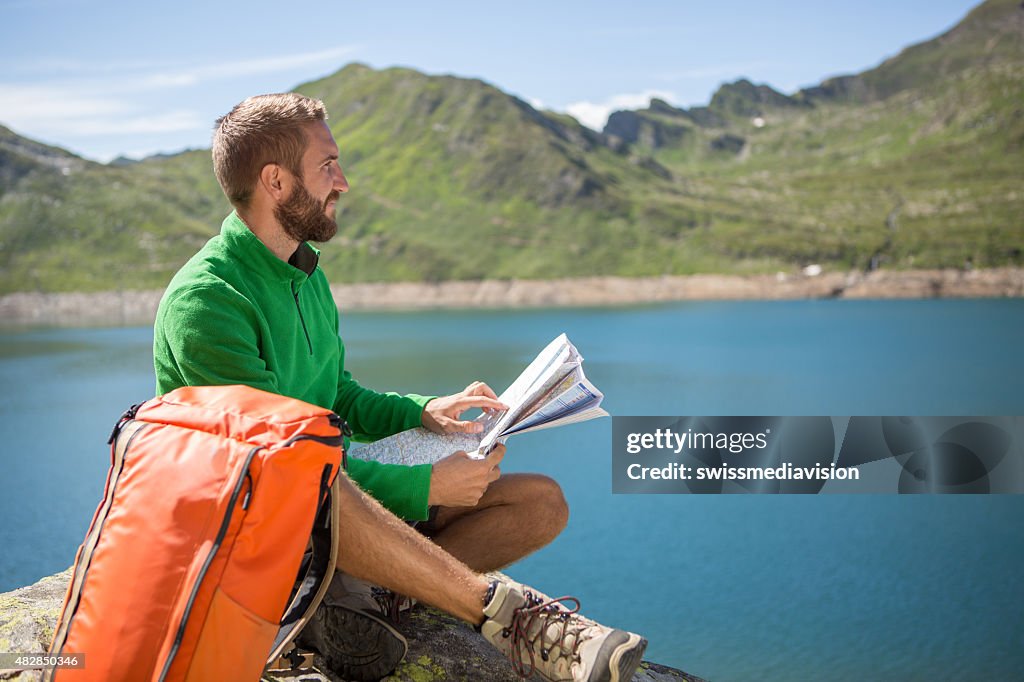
x=303, y=218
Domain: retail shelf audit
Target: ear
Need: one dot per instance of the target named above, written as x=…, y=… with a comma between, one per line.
x=275, y=181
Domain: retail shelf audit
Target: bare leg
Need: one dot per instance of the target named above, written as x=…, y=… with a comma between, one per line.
x=376, y=546
x=517, y=515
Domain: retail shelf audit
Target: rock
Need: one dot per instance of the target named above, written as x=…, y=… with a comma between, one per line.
x=649, y=128
x=732, y=144
x=139, y=307
x=624, y=125
x=441, y=647
x=747, y=100
x=27, y=617
x=706, y=118
x=660, y=106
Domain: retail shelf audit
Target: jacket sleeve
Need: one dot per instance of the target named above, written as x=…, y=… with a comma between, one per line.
x=402, y=489
x=371, y=415
x=203, y=338
x=374, y=415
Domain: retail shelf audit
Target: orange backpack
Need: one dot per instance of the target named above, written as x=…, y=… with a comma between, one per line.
x=214, y=495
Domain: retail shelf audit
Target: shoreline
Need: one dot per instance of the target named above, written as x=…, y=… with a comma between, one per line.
x=139, y=307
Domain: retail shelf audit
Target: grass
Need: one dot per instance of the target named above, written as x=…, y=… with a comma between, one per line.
x=453, y=179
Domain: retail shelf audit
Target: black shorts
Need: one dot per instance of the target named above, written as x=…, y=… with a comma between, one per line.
x=428, y=527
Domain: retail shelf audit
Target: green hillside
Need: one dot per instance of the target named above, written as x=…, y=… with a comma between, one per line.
x=453, y=179
x=916, y=163
x=990, y=36
x=68, y=224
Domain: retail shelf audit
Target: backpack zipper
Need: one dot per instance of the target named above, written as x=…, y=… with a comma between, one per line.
x=225, y=524
x=346, y=432
x=248, y=493
x=336, y=441
x=126, y=417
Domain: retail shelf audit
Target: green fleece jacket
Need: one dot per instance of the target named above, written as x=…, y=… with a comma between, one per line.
x=238, y=314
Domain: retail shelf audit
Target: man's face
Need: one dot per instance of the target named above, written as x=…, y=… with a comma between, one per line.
x=308, y=214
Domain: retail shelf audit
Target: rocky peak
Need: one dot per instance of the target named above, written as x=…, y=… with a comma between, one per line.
x=660, y=106
x=745, y=99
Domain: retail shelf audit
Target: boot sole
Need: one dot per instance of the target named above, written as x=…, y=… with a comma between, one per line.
x=357, y=645
x=624, y=659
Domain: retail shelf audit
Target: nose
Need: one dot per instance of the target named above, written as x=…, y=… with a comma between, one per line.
x=340, y=181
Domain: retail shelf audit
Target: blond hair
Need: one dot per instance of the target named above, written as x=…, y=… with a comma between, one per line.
x=261, y=130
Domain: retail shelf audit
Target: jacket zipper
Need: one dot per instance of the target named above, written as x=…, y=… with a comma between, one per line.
x=302, y=320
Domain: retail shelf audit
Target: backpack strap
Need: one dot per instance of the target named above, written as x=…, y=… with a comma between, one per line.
x=294, y=659
x=314, y=576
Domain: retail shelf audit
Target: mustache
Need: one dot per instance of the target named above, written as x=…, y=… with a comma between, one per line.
x=333, y=196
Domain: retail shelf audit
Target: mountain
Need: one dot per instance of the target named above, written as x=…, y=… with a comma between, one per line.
x=70, y=224
x=452, y=178
x=916, y=163
x=991, y=37
x=20, y=157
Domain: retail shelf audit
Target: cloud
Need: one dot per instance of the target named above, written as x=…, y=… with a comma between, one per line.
x=168, y=122
x=595, y=115
x=245, y=67
x=131, y=77
x=27, y=103
x=48, y=111
x=126, y=99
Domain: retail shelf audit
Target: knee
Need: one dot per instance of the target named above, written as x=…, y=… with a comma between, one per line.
x=550, y=502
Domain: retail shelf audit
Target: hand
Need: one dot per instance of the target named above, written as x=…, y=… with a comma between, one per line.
x=441, y=415
x=460, y=481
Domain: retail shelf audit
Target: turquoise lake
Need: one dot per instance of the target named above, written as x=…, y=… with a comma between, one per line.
x=824, y=587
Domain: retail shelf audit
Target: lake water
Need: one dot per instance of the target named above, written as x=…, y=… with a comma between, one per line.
x=729, y=588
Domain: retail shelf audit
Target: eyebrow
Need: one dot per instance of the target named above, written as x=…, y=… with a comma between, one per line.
x=330, y=157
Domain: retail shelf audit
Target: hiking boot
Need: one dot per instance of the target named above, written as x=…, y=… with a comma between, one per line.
x=393, y=605
x=542, y=635
x=351, y=632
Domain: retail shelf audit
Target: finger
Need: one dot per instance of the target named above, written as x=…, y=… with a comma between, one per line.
x=480, y=388
x=495, y=456
x=454, y=426
x=458, y=454
x=494, y=475
x=467, y=401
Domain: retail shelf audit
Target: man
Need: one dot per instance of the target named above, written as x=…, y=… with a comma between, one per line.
x=253, y=307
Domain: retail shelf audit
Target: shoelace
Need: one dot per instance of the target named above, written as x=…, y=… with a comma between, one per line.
x=536, y=610
x=395, y=606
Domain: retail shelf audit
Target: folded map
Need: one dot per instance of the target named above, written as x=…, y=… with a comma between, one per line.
x=551, y=391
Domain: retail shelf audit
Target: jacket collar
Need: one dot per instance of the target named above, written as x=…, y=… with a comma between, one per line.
x=255, y=254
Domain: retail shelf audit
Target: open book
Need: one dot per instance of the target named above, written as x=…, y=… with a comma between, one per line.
x=551, y=391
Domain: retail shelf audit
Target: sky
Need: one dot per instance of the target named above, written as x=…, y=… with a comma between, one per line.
x=104, y=79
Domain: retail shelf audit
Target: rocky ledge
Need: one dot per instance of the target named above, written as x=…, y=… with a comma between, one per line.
x=440, y=647
x=139, y=307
